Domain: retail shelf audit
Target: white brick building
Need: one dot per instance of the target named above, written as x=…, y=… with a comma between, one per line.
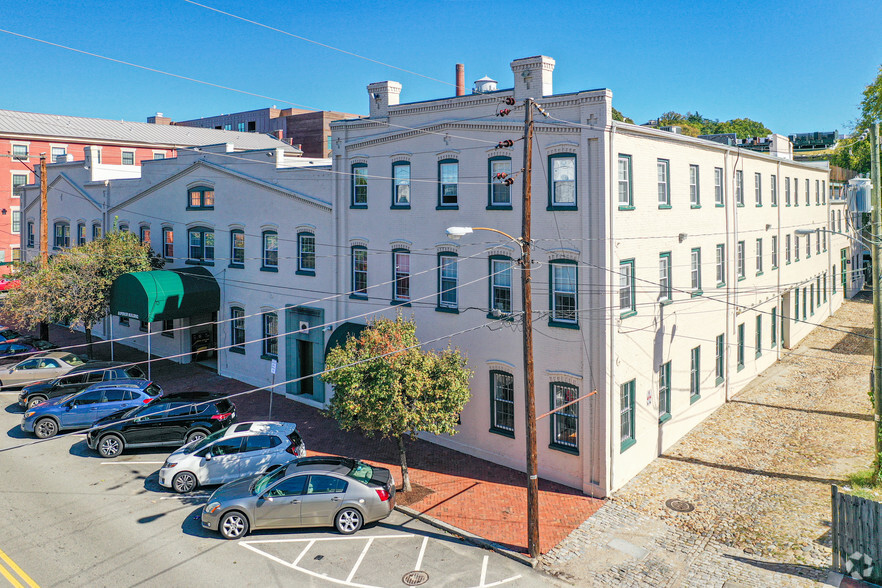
x=668, y=271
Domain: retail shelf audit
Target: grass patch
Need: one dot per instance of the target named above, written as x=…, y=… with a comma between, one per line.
x=861, y=484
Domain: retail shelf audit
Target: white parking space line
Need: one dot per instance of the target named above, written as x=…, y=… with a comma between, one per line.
x=302, y=553
x=422, y=552
x=185, y=497
x=132, y=462
x=355, y=538
x=359, y=560
x=484, y=571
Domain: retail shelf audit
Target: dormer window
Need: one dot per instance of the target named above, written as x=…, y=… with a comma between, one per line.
x=200, y=198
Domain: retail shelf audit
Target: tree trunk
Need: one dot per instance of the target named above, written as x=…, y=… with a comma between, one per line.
x=89, y=342
x=44, y=331
x=405, y=476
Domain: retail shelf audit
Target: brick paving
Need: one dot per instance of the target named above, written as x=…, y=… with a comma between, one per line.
x=478, y=496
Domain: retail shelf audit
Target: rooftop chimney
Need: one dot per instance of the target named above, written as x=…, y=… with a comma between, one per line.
x=382, y=96
x=277, y=134
x=532, y=77
x=460, y=79
x=159, y=119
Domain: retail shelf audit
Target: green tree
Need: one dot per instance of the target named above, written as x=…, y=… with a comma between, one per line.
x=74, y=287
x=854, y=153
x=621, y=117
x=385, y=385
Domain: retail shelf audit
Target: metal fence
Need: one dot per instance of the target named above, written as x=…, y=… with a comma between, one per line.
x=856, y=531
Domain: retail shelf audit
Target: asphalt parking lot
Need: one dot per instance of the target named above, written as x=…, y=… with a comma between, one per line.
x=71, y=518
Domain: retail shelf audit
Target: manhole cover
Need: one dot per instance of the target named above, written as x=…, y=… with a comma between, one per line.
x=679, y=505
x=415, y=578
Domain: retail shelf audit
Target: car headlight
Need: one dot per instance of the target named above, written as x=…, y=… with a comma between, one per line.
x=30, y=413
x=212, y=507
x=169, y=465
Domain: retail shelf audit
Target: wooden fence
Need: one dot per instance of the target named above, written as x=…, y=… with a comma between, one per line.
x=856, y=531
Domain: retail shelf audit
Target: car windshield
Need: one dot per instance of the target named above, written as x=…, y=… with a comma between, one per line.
x=268, y=479
x=72, y=359
x=9, y=334
x=362, y=472
x=209, y=440
x=153, y=390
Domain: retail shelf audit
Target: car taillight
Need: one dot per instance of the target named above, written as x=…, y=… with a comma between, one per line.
x=221, y=417
x=148, y=400
x=383, y=494
x=292, y=450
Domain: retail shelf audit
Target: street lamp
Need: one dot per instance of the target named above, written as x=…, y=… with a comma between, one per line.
x=529, y=392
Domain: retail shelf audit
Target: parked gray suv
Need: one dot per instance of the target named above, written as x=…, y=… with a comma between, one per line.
x=79, y=378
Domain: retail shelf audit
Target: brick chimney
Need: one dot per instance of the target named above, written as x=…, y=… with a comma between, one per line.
x=460, y=79
x=159, y=119
x=532, y=77
x=382, y=95
x=277, y=134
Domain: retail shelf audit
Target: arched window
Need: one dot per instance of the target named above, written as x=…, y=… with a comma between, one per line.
x=201, y=241
x=200, y=198
x=237, y=329
x=237, y=248
x=306, y=254
x=270, y=251
x=62, y=235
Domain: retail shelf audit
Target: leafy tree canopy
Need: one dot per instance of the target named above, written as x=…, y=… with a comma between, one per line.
x=694, y=124
x=621, y=117
x=853, y=153
x=74, y=287
x=386, y=385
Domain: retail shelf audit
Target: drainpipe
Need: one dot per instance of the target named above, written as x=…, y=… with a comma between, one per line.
x=106, y=207
x=610, y=263
x=729, y=208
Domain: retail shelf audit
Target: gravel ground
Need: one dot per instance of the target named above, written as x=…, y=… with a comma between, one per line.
x=759, y=469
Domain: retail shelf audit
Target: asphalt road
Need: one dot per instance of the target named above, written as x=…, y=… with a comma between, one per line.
x=70, y=518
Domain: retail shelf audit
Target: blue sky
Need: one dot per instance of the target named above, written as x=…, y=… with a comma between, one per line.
x=795, y=66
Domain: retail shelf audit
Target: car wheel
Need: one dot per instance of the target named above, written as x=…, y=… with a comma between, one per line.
x=45, y=428
x=195, y=436
x=35, y=400
x=233, y=525
x=348, y=521
x=184, y=482
x=110, y=446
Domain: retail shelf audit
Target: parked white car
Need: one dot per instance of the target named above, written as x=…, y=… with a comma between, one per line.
x=240, y=450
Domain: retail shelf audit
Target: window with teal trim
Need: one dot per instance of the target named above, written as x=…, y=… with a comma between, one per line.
x=774, y=325
x=448, y=183
x=201, y=245
x=759, y=256
x=562, y=180
x=665, y=291
x=499, y=183
x=62, y=235
x=795, y=191
x=808, y=192
x=774, y=252
x=359, y=186
x=664, y=392
x=627, y=303
x=401, y=275
x=774, y=190
x=270, y=335
x=663, y=173
x=739, y=188
x=81, y=229
x=696, y=270
x=721, y=265
x=237, y=329
x=627, y=413
x=401, y=184
x=501, y=403
x=359, y=272
x=796, y=305
x=720, y=358
x=31, y=237
x=237, y=248
x=200, y=198
x=565, y=419
x=787, y=191
x=564, y=294
x=306, y=254
x=718, y=187
x=270, y=251
x=626, y=190
x=758, y=188
x=96, y=231
x=695, y=374
x=500, y=284
x=741, y=345
x=448, y=277
x=694, y=194
x=759, y=335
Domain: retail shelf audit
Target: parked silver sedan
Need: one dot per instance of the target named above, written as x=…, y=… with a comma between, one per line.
x=316, y=491
x=43, y=366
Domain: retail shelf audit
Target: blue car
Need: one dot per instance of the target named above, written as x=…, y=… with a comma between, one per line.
x=81, y=410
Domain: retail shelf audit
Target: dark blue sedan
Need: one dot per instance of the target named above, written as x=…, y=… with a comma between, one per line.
x=81, y=410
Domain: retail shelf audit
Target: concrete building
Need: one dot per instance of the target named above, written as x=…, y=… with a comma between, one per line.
x=309, y=130
x=668, y=271
x=24, y=136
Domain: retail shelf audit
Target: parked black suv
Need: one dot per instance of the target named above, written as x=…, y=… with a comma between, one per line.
x=173, y=420
x=79, y=378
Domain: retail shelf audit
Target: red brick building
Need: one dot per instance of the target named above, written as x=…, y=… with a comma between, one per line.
x=24, y=136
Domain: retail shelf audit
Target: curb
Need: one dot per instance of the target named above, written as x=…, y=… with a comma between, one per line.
x=470, y=537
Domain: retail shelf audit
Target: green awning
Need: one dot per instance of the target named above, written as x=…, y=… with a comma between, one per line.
x=342, y=333
x=164, y=294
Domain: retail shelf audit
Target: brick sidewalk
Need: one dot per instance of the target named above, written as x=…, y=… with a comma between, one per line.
x=478, y=496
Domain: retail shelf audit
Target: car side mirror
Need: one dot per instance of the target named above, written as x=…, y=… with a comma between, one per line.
x=208, y=457
x=268, y=497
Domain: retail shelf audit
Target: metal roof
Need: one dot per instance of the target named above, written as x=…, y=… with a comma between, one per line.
x=99, y=130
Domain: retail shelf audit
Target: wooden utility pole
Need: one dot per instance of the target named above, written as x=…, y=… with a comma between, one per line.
x=529, y=392
x=877, y=298
x=44, y=232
